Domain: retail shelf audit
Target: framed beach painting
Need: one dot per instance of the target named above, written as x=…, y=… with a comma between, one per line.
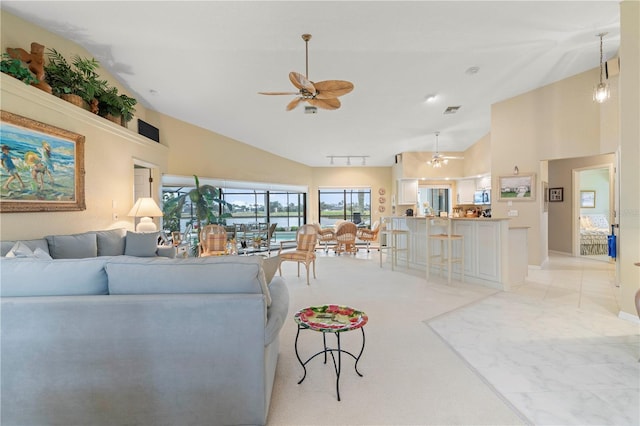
x=521, y=187
x=42, y=166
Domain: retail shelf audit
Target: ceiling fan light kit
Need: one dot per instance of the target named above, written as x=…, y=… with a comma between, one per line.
x=323, y=94
x=438, y=160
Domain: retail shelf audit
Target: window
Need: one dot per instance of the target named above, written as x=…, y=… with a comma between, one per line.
x=437, y=197
x=243, y=206
x=346, y=204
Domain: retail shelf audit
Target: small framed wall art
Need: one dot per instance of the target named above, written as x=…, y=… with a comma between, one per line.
x=556, y=194
x=587, y=199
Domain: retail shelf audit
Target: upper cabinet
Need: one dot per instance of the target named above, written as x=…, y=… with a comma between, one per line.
x=466, y=189
x=407, y=191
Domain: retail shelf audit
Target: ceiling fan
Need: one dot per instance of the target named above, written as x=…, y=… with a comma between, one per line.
x=438, y=160
x=323, y=94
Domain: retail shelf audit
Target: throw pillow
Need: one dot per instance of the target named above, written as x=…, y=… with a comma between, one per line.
x=76, y=246
x=41, y=254
x=141, y=244
x=111, y=242
x=20, y=249
x=270, y=266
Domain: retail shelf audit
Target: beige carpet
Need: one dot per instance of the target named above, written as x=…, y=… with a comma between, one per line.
x=411, y=377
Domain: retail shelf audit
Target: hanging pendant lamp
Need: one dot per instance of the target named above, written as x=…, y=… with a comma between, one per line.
x=601, y=91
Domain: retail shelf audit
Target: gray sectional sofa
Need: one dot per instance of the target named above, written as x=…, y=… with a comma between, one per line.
x=112, y=242
x=122, y=340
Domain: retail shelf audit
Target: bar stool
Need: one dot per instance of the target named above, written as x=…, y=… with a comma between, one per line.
x=445, y=257
x=391, y=242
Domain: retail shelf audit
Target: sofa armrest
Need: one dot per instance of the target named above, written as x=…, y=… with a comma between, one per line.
x=278, y=311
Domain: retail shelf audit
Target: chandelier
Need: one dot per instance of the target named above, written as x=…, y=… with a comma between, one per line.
x=601, y=91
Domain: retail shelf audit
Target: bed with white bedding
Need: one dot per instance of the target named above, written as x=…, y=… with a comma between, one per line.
x=594, y=231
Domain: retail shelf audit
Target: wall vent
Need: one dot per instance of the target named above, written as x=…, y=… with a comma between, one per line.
x=452, y=109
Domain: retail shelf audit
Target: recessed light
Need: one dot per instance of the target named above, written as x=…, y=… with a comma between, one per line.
x=430, y=98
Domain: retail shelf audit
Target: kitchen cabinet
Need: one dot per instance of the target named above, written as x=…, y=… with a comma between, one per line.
x=407, y=191
x=466, y=189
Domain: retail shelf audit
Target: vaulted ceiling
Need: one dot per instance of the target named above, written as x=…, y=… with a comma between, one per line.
x=204, y=62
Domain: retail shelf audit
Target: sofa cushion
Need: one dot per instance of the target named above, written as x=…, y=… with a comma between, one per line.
x=141, y=244
x=32, y=244
x=221, y=274
x=58, y=277
x=111, y=242
x=75, y=246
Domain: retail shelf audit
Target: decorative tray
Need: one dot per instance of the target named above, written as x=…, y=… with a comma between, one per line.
x=334, y=318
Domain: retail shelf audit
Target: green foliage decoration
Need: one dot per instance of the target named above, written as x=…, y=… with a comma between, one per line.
x=118, y=105
x=16, y=68
x=79, y=77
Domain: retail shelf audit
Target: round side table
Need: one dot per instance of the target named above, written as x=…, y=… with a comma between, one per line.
x=334, y=319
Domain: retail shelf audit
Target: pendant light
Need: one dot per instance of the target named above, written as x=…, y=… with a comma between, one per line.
x=601, y=91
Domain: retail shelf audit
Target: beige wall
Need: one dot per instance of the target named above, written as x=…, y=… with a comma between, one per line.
x=555, y=121
x=561, y=214
x=110, y=152
x=477, y=158
x=367, y=177
x=193, y=150
x=629, y=248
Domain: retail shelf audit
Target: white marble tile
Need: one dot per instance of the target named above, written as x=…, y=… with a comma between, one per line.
x=568, y=408
x=556, y=361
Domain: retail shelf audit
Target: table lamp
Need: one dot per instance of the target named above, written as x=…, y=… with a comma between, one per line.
x=145, y=208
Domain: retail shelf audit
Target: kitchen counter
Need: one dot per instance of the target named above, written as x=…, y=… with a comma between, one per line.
x=495, y=255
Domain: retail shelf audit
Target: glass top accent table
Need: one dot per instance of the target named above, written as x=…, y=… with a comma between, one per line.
x=334, y=319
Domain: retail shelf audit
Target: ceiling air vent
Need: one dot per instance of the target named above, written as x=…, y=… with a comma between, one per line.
x=452, y=109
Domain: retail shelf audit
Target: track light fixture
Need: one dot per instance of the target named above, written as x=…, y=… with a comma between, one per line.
x=363, y=159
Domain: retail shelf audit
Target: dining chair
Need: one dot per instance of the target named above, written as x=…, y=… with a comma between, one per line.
x=346, y=238
x=213, y=241
x=306, y=238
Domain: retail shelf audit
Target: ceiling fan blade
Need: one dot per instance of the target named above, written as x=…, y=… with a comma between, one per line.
x=294, y=103
x=278, y=93
x=332, y=88
x=301, y=82
x=333, y=103
x=448, y=157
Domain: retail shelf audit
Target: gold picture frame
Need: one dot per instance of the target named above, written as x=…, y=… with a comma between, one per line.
x=42, y=167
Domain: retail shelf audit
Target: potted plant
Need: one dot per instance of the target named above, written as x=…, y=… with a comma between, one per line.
x=76, y=82
x=205, y=199
x=16, y=68
x=118, y=108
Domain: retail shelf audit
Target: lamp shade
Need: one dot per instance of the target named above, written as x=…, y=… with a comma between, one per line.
x=145, y=207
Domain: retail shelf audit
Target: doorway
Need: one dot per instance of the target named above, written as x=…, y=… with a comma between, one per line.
x=145, y=183
x=594, y=203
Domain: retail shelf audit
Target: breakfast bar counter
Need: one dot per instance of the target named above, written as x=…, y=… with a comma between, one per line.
x=489, y=258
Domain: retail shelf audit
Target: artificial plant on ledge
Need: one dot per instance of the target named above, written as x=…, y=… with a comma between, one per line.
x=16, y=68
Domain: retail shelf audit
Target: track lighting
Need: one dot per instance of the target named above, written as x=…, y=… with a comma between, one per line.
x=363, y=159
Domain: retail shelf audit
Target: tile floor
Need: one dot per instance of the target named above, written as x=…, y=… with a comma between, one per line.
x=554, y=347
